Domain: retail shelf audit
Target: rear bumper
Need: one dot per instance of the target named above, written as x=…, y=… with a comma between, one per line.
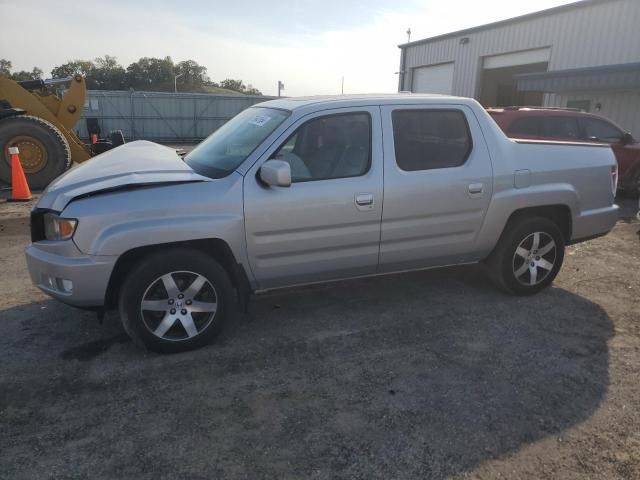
x=594, y=223
x=79, y=280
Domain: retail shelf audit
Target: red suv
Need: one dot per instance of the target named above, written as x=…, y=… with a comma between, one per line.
x=571, y=125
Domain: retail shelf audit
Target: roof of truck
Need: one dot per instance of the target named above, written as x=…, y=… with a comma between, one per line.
x=294, y=103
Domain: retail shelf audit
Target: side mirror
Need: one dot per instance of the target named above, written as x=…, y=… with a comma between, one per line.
x=276, y=173
x=626, y=139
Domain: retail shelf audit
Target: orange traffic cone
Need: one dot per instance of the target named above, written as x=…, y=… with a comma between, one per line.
x=19, y=187
x=94, y=139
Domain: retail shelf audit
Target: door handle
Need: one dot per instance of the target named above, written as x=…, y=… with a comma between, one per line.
x=475, y=188
x=364, y=199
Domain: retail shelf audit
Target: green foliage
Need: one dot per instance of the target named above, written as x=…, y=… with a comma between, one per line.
x=107, y=74
x=35, y=74
x=152, y=74
x=147, y=74
x=5, y=68
x=192, y=76
x=69, y=69
x=239, y=86
x=5, y=71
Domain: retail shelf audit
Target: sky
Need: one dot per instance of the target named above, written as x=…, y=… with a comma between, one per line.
x=307, y=44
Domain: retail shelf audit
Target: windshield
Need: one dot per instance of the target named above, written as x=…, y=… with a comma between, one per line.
x=226, y=148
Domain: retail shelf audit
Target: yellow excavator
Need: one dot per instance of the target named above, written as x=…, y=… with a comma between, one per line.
x=39, y=121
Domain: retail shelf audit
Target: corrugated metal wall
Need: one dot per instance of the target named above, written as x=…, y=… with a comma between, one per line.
x=603, y=33
x=163, y=117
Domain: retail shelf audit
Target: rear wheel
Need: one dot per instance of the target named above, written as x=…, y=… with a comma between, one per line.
x=175, y=300
x=528, y=256
x=44, y=151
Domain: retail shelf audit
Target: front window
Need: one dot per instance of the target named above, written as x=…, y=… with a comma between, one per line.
x=601, y=131
x=226, y=148
x=329, y=147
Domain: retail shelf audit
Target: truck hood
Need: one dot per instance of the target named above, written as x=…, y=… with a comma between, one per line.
x=132, y=165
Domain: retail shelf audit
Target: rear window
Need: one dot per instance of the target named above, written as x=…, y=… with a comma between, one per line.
x=428, y=139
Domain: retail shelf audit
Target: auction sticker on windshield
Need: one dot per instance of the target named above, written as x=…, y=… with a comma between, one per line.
x=259, y=120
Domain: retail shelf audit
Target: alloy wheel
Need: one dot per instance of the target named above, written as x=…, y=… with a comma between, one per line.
x=534, y=258
x=179, y=305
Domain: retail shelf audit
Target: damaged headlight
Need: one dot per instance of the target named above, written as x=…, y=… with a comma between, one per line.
x=58, y=228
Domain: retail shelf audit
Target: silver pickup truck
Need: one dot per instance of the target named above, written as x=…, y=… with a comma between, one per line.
x=304, y=190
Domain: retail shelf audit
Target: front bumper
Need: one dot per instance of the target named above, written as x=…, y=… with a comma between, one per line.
x=60, y=270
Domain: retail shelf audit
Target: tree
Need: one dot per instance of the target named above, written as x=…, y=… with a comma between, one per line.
x=235, y=85
x=5, y=67
x=69, y=69
x=5, y=71
x=34, y=74
x=154, y=74
x=193, y=77
x=147, y=74
x=239, y=86
x=251, y=90
x=107, y=74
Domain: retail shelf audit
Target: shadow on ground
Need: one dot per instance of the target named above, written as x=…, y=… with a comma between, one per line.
x=421, y=375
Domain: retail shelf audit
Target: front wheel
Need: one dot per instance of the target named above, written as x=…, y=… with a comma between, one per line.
x=175, y=300
x=528, y=256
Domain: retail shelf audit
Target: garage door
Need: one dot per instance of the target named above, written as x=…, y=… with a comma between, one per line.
x=433, y=79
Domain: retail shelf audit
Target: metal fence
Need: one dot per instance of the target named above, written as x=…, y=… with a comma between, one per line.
x=162, y=117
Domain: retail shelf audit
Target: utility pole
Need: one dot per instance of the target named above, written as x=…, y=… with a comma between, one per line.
x=280, y=87
x=408, y=34
x=342, y=87
x=175, y=82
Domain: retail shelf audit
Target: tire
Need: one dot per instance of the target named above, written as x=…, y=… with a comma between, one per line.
x=633, y=190
x=117, y=138
x=515, y=258
x=45, y=156
x=182, y=323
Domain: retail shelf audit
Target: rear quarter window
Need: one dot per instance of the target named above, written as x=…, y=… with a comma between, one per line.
x=430, y=139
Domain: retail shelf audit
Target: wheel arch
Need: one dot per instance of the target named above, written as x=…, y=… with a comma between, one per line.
x=560, y=214
x=214, y=247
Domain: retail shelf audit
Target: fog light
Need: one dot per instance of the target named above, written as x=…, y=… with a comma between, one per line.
x=64, y=285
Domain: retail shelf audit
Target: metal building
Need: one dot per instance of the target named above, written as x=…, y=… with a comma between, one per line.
x=160, y=116
x=582, y=55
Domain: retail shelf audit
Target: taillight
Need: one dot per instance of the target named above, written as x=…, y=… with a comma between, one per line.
x=614, y=179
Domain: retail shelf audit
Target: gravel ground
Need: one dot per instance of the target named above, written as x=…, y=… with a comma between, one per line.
x=431, y=374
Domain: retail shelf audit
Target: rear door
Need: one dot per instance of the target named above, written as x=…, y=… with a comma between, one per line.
x=326, y=225
x=437, y=185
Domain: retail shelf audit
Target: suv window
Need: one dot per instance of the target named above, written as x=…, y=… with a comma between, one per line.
x=564, y=127
x=428, y=139
x=600, y=130
x=560, y=127
x=335, y=146
x=529, y=126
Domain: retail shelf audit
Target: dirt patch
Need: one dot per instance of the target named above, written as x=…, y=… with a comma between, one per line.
x=422, y=375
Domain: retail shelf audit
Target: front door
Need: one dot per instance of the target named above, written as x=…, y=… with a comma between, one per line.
x=326, y=225
x=438, y=183
x=600, y=130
